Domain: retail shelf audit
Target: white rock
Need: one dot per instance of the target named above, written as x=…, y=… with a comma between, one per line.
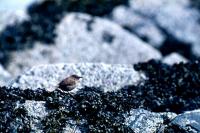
x=174, y=58
x=108, y=77
x=106, y=42
x=143, y=121
x=37, y=111
x=139, y=25
x=189, y=121
x=124, y=48
x=174, y=16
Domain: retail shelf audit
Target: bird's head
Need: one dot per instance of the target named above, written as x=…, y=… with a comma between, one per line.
x=76, y=76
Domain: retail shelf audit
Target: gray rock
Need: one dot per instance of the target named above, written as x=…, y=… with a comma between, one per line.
x=5, y=76
x=82, y=38
x=36, y=111
x=189, y=121
x=177, y=17
x=174, y=58
x=143, y=121
x=140, y=120
x=109, y=77
x=140, y=25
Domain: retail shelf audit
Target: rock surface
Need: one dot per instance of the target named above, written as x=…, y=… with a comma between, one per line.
x=140, y=25
x=36, y=111
x=162, y=22
x=183, y=23
x=94, y=75
x=82, y=38
x=189, y=120
x=143, y=121
x=174, y=58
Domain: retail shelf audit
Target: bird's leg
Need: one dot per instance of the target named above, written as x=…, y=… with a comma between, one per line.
x=71, y=95
x=68, y=93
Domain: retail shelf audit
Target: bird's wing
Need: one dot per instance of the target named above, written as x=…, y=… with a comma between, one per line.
x=62, y=83
x=69, y=81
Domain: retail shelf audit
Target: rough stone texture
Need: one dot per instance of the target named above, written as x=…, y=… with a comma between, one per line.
x=174, y=58
x=189, y=120
x=143, y=121
x=82, y=38
x=36, y=110
x=4, y=76
x=94, y=75
x=9, y=17
x=183, y=23
x=139, y=25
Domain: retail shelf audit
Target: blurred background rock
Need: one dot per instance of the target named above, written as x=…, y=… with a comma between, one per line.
x=35, y=32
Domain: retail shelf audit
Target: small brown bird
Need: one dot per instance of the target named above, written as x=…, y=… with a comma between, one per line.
x=69, y=83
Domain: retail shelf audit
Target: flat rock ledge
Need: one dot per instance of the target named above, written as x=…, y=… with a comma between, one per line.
x=100, y=75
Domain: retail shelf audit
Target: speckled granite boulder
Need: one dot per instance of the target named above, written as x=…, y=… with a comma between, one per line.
x=37, y=111
x=82, y=38
x=143, y=121
x=94, y=75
